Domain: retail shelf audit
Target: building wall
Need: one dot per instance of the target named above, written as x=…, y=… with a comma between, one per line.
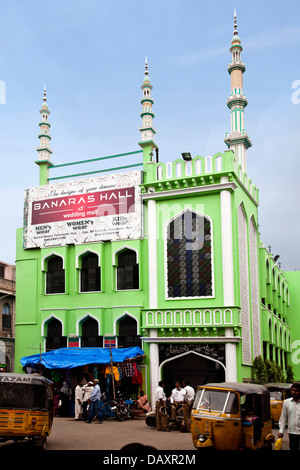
x=293, y=294
x=7, y=311
x=207, y=336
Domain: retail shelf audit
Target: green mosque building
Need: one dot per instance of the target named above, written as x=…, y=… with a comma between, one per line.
x=164, y=256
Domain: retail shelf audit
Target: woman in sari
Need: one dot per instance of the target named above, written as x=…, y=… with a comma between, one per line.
x=143, y=402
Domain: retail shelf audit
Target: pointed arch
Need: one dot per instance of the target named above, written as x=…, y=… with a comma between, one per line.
x=126, y=328
x=88, y=328
x=54, y=339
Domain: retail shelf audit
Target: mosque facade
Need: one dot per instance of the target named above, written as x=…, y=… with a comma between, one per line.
x=165, y=256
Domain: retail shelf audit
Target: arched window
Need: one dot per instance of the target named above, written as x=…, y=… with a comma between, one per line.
x=89, y=336
x=55, y=277
x=55, y=339
x=90, y=277
x=6, y=316
x=189, y=253
x=128, y=336
x=127, y=271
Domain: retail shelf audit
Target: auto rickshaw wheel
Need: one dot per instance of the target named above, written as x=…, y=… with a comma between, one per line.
x=40, y=442
x=151, y=421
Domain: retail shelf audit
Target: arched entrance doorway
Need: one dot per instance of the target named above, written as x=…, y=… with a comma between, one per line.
x=191, y=366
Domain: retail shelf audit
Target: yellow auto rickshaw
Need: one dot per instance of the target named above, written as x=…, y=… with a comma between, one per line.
x=231, y=416
x=26, y=408
x=278, y=393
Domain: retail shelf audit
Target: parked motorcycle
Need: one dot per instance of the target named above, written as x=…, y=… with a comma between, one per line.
x=151, y=417
x=122, y=407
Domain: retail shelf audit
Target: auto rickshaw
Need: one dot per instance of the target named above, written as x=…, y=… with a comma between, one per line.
x=278, y=393
x=26, y=408
x=231, y=416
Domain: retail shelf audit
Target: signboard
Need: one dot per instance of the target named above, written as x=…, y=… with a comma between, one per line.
x=110, y=342
x=73, y=341
x=81, y=211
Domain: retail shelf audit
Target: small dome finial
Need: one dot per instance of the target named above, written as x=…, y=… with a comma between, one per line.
x=45, y=97
x=146, y=67
x=235, y=32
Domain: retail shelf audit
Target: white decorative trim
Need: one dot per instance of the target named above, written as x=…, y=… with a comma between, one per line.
x=53, y=253
x=51, y=317
x=152, y=254
x=185, y=354
x=227, y=247
x=192, y=339
x=80, y=320
x=122, y=248
x=85, y=252
x=125, y=314
x=198, y=189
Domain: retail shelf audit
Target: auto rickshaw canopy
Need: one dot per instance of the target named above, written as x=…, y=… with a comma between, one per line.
x=246, y=389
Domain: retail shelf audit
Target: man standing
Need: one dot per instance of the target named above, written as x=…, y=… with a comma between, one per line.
x=87, y=391
x=187, y=405
x=177, y=397
x=78, y=401
x=290, y=415
x=160, y=407
x=95, y=402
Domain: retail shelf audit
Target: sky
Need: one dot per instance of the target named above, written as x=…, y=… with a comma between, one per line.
x=91, y=55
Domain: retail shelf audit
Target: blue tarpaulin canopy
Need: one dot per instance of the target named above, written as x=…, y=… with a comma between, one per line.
x=68, y=358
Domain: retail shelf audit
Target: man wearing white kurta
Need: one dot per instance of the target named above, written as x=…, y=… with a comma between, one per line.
x=78, y=401
x=87, y=391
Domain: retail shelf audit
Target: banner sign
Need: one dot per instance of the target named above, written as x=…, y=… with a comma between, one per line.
x=81, y=211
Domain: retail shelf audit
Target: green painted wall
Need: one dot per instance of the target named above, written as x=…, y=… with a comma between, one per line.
x=293, y=278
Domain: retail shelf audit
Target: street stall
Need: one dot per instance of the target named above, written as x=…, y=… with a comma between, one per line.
x=67, y=367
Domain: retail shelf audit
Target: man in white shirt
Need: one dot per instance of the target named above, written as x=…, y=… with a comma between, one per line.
x=87, y=391
x=187, y=405
x=290, y=415
x=160, y=407
x=78, y=401
x=177, y=398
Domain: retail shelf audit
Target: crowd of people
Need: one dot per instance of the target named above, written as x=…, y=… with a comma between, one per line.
x=181, y=397
x=80, y=393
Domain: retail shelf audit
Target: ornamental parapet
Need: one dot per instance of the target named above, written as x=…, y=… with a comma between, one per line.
x=191, y=322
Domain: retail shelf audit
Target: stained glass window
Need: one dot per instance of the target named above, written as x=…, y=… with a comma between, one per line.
x=189, y=251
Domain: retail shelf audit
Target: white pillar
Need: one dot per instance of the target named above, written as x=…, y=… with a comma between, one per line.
x=228, y=278
x=227, y=250
x=154, y=368
x=152, y=254
x=152, y=273
x=230, y=358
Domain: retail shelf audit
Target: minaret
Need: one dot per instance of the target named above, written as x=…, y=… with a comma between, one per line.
x=147, y=130
x=237, y=140
x=44, y=151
